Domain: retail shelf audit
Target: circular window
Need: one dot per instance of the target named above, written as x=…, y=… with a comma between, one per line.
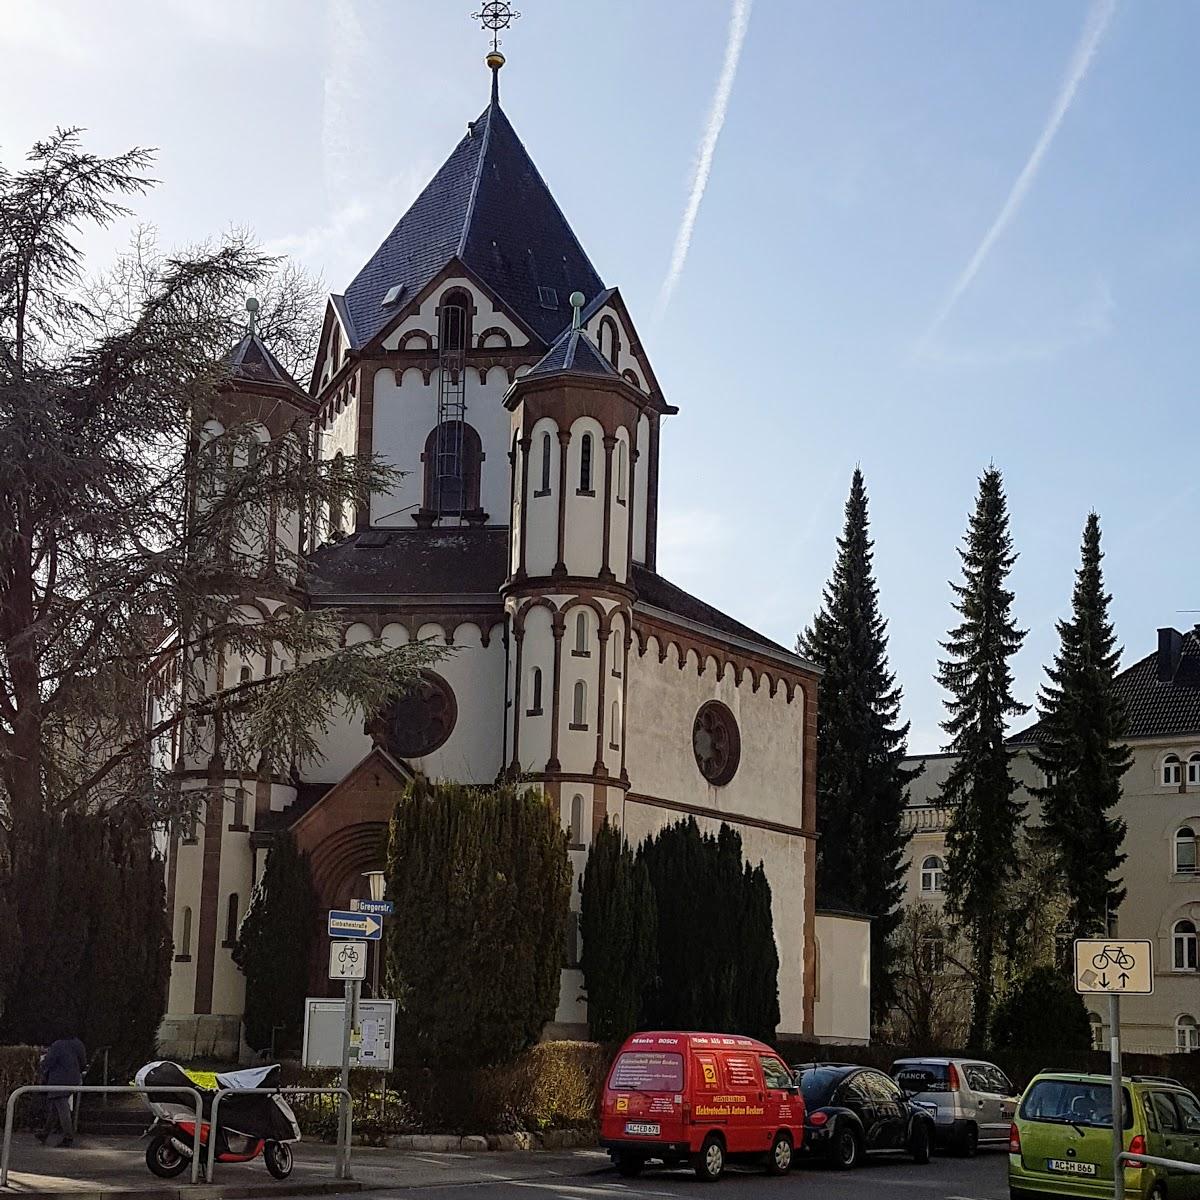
x=716, y=743
x=420, y=720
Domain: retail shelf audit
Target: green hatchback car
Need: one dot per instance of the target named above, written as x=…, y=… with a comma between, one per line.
x=1061, y=1139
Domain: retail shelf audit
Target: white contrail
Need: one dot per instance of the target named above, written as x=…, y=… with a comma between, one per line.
x=1093, y=30
x=739, y=19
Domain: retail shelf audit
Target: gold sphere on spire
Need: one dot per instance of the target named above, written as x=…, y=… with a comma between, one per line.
x=495, y=60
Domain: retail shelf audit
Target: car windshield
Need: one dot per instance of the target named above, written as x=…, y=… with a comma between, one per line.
x=816, y=1085
x=1072, y=1102
x=647, y=1071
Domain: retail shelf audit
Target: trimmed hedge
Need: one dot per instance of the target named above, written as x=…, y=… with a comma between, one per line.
x=19, y=1066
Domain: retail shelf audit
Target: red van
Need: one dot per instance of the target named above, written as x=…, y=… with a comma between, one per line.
x=703, y=1098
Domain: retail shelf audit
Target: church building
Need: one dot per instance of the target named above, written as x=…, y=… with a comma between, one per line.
x=480, y=352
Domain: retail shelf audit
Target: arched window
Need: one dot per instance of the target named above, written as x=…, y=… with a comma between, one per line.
x=454, y=314
x=337, y=513
x=620, y=471
x=1187, y=1034
x=579, y=706
x=244, y=674
x=544, y=490
x=1185, y=850
x=231, y=919
x=575, y=833
x=453, y=457
x=1097, y=1028
x=239, y=809
x=1193, y=769
x=608, y=341
x=931, y=874
x=581, y=634
x=1183, y=942
x=184, y=949
x=585, y=464
x=535, y=692
x=1171, y=772
x=614, y=733
x=933, y=954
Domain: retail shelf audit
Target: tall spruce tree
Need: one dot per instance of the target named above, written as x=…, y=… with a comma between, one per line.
x=618, y=921
x=272, y=948
x=860, y=746
x=985, y=816
x=1082, y=721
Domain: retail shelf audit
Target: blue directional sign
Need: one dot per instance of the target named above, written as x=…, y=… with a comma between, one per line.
x=380, y=908
x=354, y=925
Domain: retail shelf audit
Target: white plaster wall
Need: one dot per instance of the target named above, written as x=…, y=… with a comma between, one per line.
x=541, y=540
x=625, y=359
x=641, y=476
x=236, y=875
x=618, y=556
x=537, y=650
x=188, y=864
x=577, y=747
x=842, y=1012
x=584, y=541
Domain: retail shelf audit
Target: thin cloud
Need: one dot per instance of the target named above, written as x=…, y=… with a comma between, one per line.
x=1081, y=59
x=739, y=20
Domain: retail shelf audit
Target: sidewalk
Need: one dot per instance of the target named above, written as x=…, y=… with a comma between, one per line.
x=100, y=1168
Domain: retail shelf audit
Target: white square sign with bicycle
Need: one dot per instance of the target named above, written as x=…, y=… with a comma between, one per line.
x=1114, y=966
x=347, y=960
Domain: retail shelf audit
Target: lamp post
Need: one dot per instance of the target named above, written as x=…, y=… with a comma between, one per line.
x=376, y=885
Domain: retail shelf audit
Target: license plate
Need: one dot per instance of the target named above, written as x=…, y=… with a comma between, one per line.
x=1066, y=1166
x=643, y=1128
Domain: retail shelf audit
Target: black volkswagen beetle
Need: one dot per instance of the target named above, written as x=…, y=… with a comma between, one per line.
x=850, y=1111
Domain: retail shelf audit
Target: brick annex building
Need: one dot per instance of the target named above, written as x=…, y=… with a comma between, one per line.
x=525, y=537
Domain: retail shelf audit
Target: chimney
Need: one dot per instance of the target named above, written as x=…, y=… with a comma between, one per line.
x=1170, y=647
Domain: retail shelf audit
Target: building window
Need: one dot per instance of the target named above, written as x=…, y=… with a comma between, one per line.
x=452, y=323
x=933, y=954
x=1097, y=1029
x=239, y=809
x=419, y=720
x=183, y=949
x=1171, y=771
x=615, y=732
x=244, y=675
x=620, y=471
x=716, y=743
x=575, y=831
x=931, y=874
x=544, y=490
x=581, y=636
x=453, y=457
x=609, y=344
x=1185, y=850
x=1187, y=1034
x=337, y=513
x=188, y=828
x=585, y=466
x=535, y=693
x=1183, y=941
x=579, y=706
x=231, y=920
x=1193, y=769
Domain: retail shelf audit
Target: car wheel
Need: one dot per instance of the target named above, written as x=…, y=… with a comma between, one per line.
x=920, y=1144
x=629, y=1166
x=163, y=1159
x=779, y=1161
x=845, y=1150
x=709, y=1164
x=968, y=1141
x=1159, y=1192
x=278, y=1157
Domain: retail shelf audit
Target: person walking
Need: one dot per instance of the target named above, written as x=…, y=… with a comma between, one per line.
x=63, y=1063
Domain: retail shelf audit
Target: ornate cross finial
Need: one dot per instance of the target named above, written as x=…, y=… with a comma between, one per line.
x=495, y=15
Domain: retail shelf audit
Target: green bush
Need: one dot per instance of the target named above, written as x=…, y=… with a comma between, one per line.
x=1043, y=1015
x=481, y=883
x=19, y=1066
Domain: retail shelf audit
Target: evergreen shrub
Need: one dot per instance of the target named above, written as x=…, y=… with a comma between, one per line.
x=1042, y=1014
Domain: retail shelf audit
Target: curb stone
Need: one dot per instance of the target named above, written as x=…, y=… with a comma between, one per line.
x=551, y=1139
x=203, y=1191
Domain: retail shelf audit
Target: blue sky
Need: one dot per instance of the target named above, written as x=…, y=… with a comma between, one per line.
x=866, y=151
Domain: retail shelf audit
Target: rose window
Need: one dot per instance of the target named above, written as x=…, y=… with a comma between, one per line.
x=419, y=721
x=716, y=742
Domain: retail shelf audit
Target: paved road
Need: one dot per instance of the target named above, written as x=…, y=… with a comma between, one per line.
x=585, y=1177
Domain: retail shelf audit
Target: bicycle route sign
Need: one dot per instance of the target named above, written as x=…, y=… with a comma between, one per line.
x=347, y=960
x=1114, y=967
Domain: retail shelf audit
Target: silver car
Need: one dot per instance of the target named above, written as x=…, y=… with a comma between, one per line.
x=972, y=1102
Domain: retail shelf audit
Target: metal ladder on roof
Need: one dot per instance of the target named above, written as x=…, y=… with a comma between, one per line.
x=449, y=476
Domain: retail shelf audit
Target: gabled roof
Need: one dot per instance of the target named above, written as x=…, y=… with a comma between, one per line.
x=1154, y=707
x=489, y=206
x=252, y=361
x=573, y=354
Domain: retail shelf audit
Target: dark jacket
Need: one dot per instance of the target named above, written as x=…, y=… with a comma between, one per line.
x=64, y=1062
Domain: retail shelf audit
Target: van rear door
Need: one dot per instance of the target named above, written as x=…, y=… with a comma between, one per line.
x=644, y=1097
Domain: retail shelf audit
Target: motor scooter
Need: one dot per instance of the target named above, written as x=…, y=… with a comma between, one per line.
x=250, y=1126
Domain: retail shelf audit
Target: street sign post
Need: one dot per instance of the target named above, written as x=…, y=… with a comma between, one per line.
x=378, y=908
x=354, y=925
x=1115, y=968
x=347, y=960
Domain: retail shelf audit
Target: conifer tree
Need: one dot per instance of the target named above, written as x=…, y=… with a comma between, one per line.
x=272, y=947
x=1079, y=749
x=757, y=979
x=618, y=921
x=985, y=816
x=860, y=746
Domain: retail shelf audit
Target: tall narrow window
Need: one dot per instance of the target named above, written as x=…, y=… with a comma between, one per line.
x=453, y=462
x=231, y=919
x=620, y=472
x=1183, y=940
x=1194, y=769
x=244, y=674
x=579, y=706
x=1187, y=1034
x=585, y=463
x=544, y=490
x=1097, y=1029
x=1185, y=851
x=1171, y=774
x=183, y=951
x=239, y=809
x=575, y=833
x=615, y=732
x=452, y=323
x=336, y=507
x=581, y=634
x=931, y=874
x=535, y=692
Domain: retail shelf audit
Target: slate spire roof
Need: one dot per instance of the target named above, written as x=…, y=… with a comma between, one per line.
x=573, y=353
x=251, y=360
x=489, y=207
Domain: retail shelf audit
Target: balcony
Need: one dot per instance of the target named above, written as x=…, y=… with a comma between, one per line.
x=925, y=818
